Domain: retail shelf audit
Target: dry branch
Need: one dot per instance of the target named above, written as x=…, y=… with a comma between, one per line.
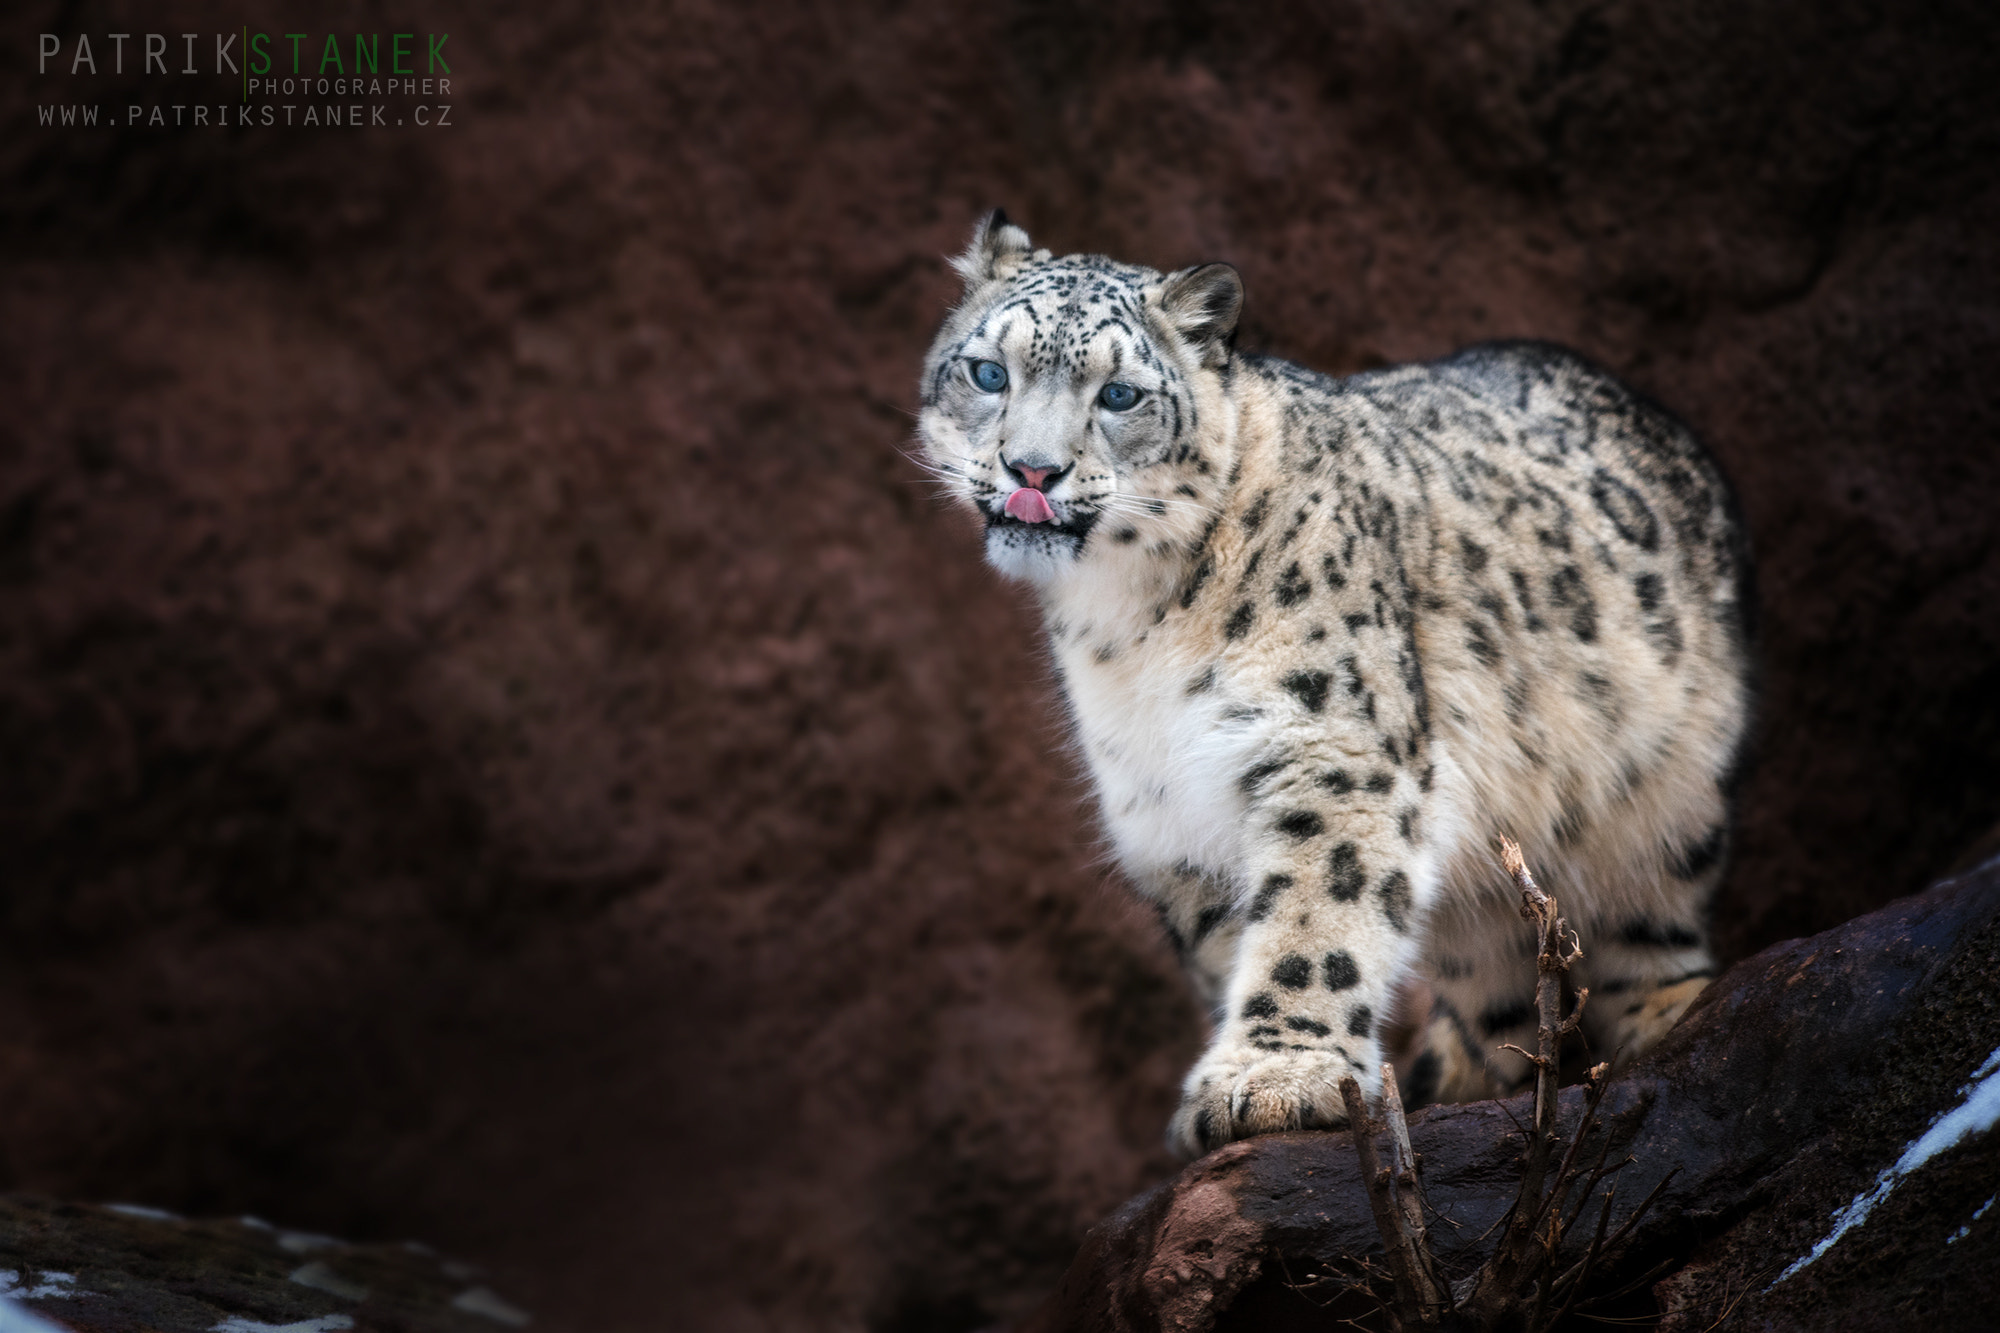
x=1520, y=1285
x=1419, y=1301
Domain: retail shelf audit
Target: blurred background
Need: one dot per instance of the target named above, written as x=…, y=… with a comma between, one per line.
x=499, y=745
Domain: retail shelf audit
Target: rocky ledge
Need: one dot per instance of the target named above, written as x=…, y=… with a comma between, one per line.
x=1817, y=1127
x=122, y=1268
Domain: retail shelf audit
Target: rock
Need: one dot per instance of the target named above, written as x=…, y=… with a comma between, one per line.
x=1847, y=1080
x=128, y=1269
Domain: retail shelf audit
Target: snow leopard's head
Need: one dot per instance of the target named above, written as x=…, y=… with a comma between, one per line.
x=1063, y=398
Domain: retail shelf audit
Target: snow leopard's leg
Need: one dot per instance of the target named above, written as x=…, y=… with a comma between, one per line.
x=1339, y=886
x=1483, y=977
x=1447, y=1065
x=1644, y=967
x=1197, y=909
x=1642, y=976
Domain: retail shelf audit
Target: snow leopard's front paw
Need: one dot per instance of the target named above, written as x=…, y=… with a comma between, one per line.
x=1242, y=1088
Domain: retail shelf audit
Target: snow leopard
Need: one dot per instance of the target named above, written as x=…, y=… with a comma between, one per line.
x=1323, y=640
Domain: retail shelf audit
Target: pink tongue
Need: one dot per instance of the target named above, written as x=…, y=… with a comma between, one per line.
x=1030, y=506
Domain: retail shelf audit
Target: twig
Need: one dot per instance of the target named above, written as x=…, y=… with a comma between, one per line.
x=1432, y=1299
x=1578, y=1275
x=1539, y=1220
x=1418, y=1303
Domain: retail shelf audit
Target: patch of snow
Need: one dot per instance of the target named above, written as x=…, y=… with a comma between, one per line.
x=1976, y=1112
x=326, y=1323
x=485, y=1302
x=51, y=1284
x=319, y=1275
x=1966, y=1230
x=20, y=1319
x=142, y=1210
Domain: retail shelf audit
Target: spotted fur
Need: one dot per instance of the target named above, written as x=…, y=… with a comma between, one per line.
x=1322, y=639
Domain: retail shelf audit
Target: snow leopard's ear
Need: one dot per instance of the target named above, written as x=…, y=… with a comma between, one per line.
x=1201, y=304
x=997, y=249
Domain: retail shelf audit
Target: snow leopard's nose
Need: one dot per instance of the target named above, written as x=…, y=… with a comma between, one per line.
x=1039, y=478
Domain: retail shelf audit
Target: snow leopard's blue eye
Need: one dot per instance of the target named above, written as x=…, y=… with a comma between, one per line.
x=1118, y=397
x=989, y=375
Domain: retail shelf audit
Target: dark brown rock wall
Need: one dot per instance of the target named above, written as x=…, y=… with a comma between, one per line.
x=502, y=746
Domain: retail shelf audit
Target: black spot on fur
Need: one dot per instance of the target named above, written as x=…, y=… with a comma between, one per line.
x=1204, y=1129
x=1567, y=589
x=1602, y=694
x=1361, y=1021
x=1380, y=783
x=1471, y=554
x=1627, y=512
x=1301, y=824
x=1260, y=1005
x=1253, y=517
x=1336, y=781
x=1650, y=588
x=1397, y=901
x=1479, y=645
x=1344, y=876
x=1643, y=933
x=1293, y=586
x=1406, y=823
x=1569, y=823
x=1526, y=598
x=1425, y=778
x=1211, y=917
x=1329, y=569
x=1665, y=633
x=1355, y=623
x=1239, y=620
x=1425, y=1075
x=1308, y=1026
x=1265, y=1030
x=1339, y=971
x=1700, y=856
x=1203, y=683
x=1294, y=971
x=1125, y=536
x=1502, y=1017
x=1253, y=777
x=1350, y=676
x=1201, y=574
x=1267, y=896
x=1309, y=687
